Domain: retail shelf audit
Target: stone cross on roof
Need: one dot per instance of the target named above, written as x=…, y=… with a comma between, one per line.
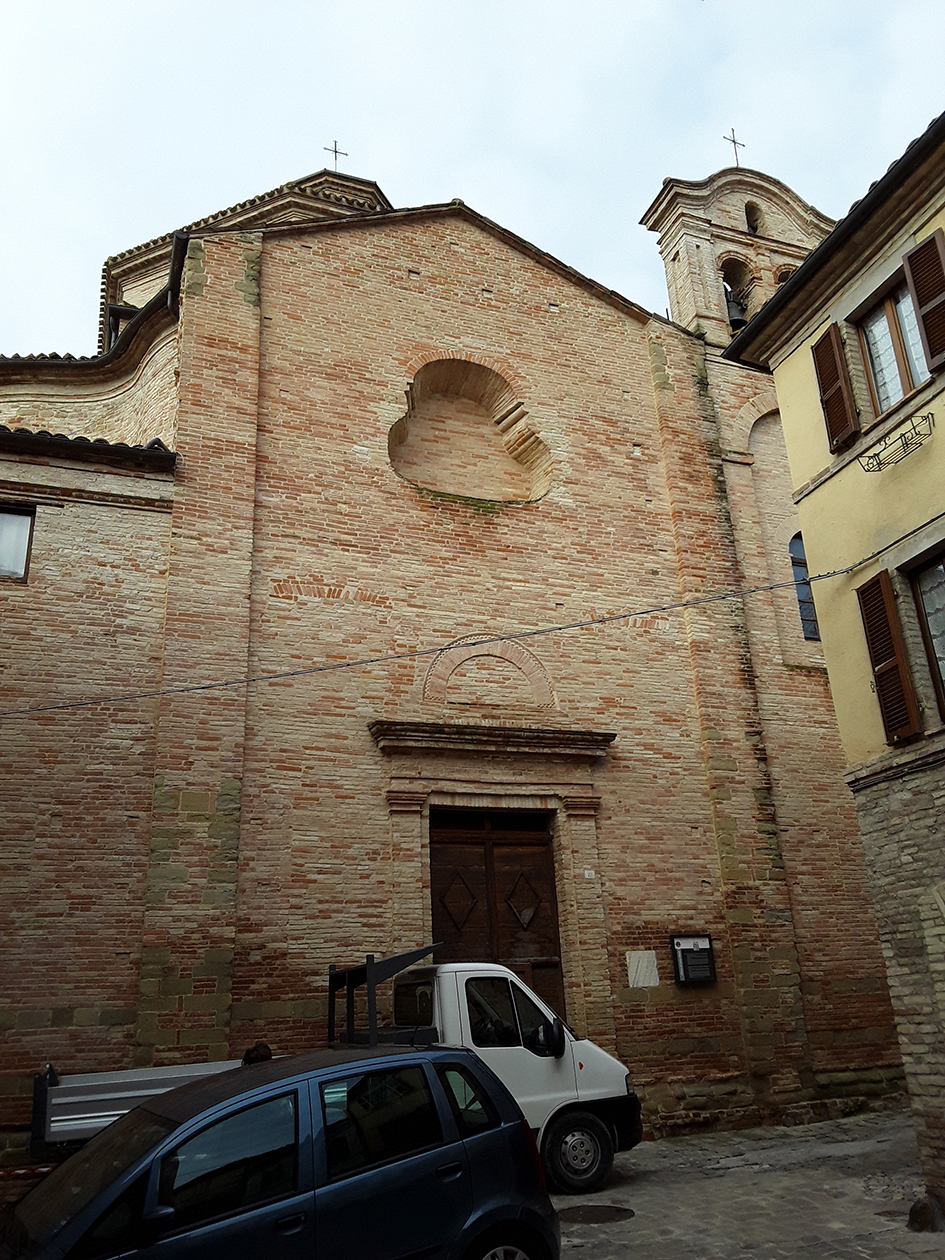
x=337, y=152
x=736, y=145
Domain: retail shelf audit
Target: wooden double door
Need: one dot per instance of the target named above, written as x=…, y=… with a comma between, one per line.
x=493, y=892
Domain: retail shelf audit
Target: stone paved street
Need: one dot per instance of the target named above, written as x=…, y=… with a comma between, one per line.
x=840, y=1190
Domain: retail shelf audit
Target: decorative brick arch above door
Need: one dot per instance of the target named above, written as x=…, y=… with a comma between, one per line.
x=448, y=661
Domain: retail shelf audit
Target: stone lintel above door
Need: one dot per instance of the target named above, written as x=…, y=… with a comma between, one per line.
x=392, y=737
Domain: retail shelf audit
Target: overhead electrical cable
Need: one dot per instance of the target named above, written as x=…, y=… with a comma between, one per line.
x=485, y=641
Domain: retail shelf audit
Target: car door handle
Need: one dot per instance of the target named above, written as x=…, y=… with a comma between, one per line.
x=449, y=1172
x=290, y=1224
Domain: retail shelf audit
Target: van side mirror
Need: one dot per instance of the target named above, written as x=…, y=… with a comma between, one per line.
x=556, y=1038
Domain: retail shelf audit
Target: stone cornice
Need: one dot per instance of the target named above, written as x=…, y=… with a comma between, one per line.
x=154, y=458
x=406, y=801
x=393, y=737
x=581, y=806
x=897, y=765
x=694, y=196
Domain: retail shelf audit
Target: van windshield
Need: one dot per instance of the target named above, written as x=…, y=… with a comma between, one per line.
x=75, y=1183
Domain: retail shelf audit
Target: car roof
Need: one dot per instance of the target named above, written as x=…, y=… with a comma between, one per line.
x=189, y=1100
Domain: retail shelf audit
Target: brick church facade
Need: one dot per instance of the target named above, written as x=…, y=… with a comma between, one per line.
x=368, y=459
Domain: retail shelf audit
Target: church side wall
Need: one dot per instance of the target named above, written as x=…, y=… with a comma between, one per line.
x=843, y=982
x=75, y=791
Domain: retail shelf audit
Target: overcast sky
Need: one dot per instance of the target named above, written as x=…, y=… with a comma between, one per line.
x=124, y=119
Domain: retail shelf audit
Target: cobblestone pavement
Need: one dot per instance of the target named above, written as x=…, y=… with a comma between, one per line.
x=840, y=1190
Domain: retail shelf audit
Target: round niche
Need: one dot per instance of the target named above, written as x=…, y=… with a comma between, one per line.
x=466, y=434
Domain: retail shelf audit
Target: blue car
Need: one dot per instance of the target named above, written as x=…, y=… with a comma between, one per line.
x=383, y=1154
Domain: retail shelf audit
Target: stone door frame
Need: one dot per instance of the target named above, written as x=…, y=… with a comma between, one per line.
x=582, y=916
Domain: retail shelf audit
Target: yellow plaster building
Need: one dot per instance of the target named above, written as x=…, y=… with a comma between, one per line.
x=855, y=339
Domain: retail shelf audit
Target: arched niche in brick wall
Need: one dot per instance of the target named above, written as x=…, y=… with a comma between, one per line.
x=466, y=434
x=778, y=521
x=486, y=674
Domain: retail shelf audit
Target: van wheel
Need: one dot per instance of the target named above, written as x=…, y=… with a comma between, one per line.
x=578, y=1152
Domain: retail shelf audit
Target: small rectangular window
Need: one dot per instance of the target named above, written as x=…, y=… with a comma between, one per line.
x=16, y=533
x=805, y=596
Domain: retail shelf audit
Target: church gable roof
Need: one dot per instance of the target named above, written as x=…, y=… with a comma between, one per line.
x=133, y=276
x=519, y=244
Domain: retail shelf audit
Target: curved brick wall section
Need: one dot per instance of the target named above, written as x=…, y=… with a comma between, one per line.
x=129, y=407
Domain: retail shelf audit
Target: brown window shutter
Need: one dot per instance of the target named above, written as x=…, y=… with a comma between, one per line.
x=893, y=681
x=925, y=272
x=836, y=395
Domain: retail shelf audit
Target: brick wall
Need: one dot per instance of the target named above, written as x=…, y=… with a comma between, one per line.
x=900, y=800
x=273, y=835
x=75, y=788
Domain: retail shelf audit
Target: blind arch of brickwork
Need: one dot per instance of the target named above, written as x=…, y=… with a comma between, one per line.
x=466, y=433
x=447, y=662
x=737, y=432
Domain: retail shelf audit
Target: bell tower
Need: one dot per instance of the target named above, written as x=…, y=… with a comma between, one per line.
x=727, y=242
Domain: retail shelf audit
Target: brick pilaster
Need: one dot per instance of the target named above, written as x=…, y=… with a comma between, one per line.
x=189, y=917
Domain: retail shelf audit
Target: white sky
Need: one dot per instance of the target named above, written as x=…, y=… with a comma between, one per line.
x=124, y=119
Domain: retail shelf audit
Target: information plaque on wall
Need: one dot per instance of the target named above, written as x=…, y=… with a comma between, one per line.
x=693, y=960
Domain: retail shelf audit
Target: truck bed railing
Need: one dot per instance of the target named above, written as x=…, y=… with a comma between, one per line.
x=370, y=973
x=73, y=1108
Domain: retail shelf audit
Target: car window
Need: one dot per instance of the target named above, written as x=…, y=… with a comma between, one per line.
x=75, y=1183
x=242, y=1160
x=117, y=1228
x=534, y=1023
x=471, y=1106
x=377, y=1116
x=491, y=1017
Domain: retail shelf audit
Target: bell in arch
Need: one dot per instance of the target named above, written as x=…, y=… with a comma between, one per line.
x=736, y=312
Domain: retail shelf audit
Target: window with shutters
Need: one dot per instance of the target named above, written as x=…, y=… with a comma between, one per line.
x=928, y=583
x=902, y=332
x=892, y=348
x=836, y=393
x=892, y=680
x=925, y=275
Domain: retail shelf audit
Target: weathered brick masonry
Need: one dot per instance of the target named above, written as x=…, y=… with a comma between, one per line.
x=183, y=869
x=900, y=802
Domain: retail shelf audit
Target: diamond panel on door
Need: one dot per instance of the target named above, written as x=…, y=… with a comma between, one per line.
x=460, y=902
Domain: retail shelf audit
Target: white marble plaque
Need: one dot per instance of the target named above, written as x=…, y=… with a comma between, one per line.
x=642, y=972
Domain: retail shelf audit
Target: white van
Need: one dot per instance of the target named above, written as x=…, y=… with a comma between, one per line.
x=578, y=1099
